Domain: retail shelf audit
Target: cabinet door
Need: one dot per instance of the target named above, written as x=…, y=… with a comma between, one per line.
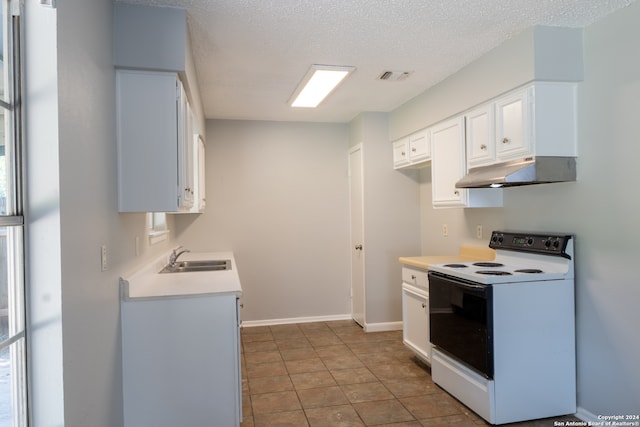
x=415, y=316
x=513, y=124
x=401, y=153
x=416, y=277
x=185, y=151
x=191, y=371
x=147, y=131
x=199, y=161
x=480, y=136
x=448, y=163
x=419, y=146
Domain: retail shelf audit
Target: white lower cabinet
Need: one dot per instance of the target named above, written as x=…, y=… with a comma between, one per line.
x=181, y=361
x=415, y=313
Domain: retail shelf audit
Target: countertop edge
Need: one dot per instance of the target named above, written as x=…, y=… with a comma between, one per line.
x=467, y=253
x=148, y=284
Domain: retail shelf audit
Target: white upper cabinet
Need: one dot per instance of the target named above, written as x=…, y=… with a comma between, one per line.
x=186, y=164
x=419, y=146
x=537, y=120
x=413, y=150
x=513, y=123
x=448, y=165
x=156, y=122
x=155, y=163
x=200, y=200
x=480, y=136
x=401, y=153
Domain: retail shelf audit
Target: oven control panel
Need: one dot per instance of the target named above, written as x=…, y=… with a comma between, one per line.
x=548, y=244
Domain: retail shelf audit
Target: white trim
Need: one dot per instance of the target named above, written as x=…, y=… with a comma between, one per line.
x=158, y=236
x=358, y=147
x=383, y=326
x=585, y=415
x=272, y=322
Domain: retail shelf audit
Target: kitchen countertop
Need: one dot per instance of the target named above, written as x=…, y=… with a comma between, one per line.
x=149, y=283
x=467, y=253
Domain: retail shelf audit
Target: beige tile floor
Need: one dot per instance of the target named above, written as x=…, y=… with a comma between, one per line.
x=334, y=374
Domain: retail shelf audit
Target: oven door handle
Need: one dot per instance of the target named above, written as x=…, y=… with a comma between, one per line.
x=460, y=283
x=471, y=286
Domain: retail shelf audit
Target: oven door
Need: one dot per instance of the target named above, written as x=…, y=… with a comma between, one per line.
x=460, y=320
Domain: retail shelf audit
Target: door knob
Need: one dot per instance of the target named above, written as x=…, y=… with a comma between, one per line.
x=358, y=247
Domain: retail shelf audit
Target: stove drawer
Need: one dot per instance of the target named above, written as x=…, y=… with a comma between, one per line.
x=415, y=277
x=473, y=390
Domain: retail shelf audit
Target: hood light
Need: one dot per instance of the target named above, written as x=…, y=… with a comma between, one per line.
x=497, y=185
x=317, y=84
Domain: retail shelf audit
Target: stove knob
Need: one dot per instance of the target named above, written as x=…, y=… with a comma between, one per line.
x=547, y=243
x=530, y=241
x=500, y=239
x=556, y=244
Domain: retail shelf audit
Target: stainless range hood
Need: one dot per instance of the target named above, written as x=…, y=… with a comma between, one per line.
x=527, y=171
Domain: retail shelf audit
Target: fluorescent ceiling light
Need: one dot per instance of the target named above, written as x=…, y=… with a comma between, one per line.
x=319, y=82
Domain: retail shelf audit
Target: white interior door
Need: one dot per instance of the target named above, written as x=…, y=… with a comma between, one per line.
x=357, y=249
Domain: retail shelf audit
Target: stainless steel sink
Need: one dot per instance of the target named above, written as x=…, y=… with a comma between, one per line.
x=200, y=265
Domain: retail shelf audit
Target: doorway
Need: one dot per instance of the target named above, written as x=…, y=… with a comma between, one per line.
x=357, y=235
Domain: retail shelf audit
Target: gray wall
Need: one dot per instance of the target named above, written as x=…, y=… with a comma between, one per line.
x=277, y=195
x=600, y=208
x=71, y=210
x=391, y=220
x=277, y=191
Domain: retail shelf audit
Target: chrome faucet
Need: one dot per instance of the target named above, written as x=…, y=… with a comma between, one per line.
x=175, y=254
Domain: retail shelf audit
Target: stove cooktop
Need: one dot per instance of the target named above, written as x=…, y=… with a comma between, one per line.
x=520, y=257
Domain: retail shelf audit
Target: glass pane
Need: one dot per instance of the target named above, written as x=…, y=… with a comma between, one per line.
x=11, y=289
x=3, y=40
x=4, y=78
x=12, y=385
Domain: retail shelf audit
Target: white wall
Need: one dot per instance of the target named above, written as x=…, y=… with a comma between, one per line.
x=71, y=209
x=277, y=195
x=42, y=218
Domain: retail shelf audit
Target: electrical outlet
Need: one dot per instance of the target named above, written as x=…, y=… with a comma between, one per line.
x=103, y=257
x=479, y=231
x=445, y=230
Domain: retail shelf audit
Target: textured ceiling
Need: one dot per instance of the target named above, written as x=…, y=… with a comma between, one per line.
x=251, y=54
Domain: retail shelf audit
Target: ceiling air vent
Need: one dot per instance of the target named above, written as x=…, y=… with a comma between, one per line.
x=394, y=76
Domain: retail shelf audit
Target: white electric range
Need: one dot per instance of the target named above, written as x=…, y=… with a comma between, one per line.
x=503, y=332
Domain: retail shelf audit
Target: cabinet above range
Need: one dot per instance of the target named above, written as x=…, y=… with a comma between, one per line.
x=530, y=130
x=536, y=120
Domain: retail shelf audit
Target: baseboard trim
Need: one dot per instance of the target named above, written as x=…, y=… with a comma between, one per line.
x=368, y=327
x=587, y=416
x=384, y=326
x=273, y=322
